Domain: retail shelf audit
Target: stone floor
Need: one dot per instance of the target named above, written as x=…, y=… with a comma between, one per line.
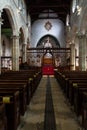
x=34, y=116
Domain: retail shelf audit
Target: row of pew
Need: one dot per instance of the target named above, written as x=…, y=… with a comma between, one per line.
x=16, y=91
x=74, y=86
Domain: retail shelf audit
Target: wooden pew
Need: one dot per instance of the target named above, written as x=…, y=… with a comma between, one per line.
x=68, y=84
x=22, y=93
x=78, y=99
x=25, y=82
x=84, y=111
x=74, y=93
x=3, y=118
x=11, y=101
x=23, y=76
x=12, y=85
x=64, y=78
x=30, y=85
x=73, y=83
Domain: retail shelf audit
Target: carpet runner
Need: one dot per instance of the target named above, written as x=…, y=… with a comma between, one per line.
x=49, y=120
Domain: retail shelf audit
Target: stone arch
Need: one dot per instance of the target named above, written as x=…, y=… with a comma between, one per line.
x=12, y=19
x=11, y=16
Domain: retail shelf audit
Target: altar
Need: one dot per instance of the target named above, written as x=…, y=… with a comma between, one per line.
x=48, y=70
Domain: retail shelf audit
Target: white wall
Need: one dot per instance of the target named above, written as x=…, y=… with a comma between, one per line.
x=38, y=31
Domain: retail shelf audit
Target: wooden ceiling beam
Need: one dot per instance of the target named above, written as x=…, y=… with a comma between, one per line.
x=48, y=6
x=60, y=7
x=62, y=13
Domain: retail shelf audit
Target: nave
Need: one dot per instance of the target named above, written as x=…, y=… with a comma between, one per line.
x=49, y=109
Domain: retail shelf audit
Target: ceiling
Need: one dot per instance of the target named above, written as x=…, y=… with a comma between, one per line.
x=60, y=7
x=36, y=7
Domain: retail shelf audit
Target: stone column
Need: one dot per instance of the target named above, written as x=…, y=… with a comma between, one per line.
x=15, y=53
x=24, y=53
x=0, y=39
x=82, y=51
x=86, y=49
x=72, y=57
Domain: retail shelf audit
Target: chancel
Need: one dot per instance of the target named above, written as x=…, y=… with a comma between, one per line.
x=43, y=65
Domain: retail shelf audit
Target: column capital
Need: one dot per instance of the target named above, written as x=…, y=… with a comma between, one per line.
x=68, y=28
x=80, y=35
x=24, y=44
x=15, y=37
x=72, y=45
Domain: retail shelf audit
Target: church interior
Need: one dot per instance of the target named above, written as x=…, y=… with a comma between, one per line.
x=43, y=65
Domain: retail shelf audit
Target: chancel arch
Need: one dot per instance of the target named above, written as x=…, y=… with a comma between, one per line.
x=48, y=56
x=51, y=39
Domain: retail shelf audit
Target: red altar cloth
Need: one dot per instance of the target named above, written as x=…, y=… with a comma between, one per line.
x=48, y=70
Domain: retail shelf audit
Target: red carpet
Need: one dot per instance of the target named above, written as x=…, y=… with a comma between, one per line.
x=48, y=70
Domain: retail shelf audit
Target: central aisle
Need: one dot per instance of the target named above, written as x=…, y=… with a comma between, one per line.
x=48, y=109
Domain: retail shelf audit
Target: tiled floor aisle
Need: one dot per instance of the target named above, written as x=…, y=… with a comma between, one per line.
x=34, y=116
